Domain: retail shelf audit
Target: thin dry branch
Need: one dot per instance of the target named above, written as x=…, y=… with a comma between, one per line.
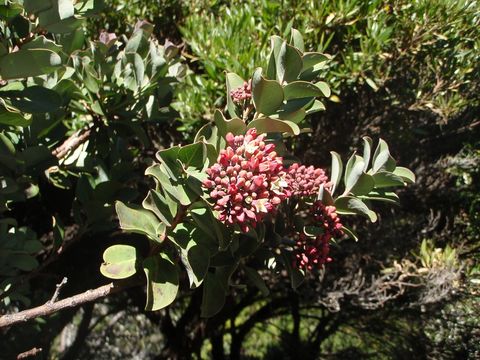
x=49, y=308
x=73, y=142
x=56, y=294
x=32, y=352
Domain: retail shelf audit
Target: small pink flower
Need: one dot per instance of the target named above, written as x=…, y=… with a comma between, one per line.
x=248, y=180
x=313, y=252
x=305, y=181
x=242, y=93
x=107, y=38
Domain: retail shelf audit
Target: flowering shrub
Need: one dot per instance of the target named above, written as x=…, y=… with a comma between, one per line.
x=84, y=116
x=219, y=204
x=227, y=197
x=70, y=108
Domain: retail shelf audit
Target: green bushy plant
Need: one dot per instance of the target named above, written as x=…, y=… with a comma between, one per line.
x=69, y=108
x=429, y=45
x=225, y=203
x=90, y=121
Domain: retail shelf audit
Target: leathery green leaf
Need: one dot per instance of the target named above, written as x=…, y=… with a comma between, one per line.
x=288, y=63
x=236, y=126
x=119, y=262
x=196, y=259
x=301, y=89
x=267, y=94
x=297, y=39
x=162, y=206
x=26, y=63
x=268, y=125
x=349, y=205
x=215, y=287
x=162, y=281
x=337, y=170
x=138, y=220
x=385, y=179
x=406, y=174
x=353, y=171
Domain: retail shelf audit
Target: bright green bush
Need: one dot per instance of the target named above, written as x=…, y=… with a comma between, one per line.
x=69, y=108
x=80, y=124
x=78, y=119
x=422, y=53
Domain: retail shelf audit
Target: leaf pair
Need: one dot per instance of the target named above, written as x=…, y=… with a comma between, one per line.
x=121, y=261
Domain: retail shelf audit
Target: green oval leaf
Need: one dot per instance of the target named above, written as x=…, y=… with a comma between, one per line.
x=297, y=40
x=324, y=88
x=311, y=59
x=316, y=107
x=196, y=259
x=162, y=206
x=381, y=195
x=406, y=174
x=385, y=179
x=268, y=125
x=138, y=220
x=353, y=171
x=162, y=281
x=27, y=63
x=215, y=287
x=267, y=94
x=336, y=171
x=236, y=126
x=34, y=99
x=349, y=205
x=364, y=184
x=10, y=118
x=275, y=45
x=193, y=155
x=382, y=158
x=367, y=149
x=301, y=89
x=288, y=64
x=119, y=262
x=8, y=12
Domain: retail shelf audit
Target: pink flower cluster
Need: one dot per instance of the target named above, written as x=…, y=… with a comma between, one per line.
x=313, y=252
x=248, y=180
x=305, y=181
x=242, y=93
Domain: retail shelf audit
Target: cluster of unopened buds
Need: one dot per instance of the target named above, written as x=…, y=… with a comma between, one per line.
x=247, y=181
x=313, y=252
x=305, y=181
x=242, y=93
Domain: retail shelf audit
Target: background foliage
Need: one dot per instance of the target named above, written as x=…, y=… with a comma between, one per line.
x=405, y=71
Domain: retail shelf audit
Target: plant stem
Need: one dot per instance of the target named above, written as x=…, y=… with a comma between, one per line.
x=71, y=302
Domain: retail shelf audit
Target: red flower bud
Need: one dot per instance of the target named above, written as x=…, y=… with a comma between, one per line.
x=305, y=181
x=315, y=251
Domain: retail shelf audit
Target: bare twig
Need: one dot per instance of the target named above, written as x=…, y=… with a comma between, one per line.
x=49, y=308
x=57, y=290
x=73, y=142
x=32, y=352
